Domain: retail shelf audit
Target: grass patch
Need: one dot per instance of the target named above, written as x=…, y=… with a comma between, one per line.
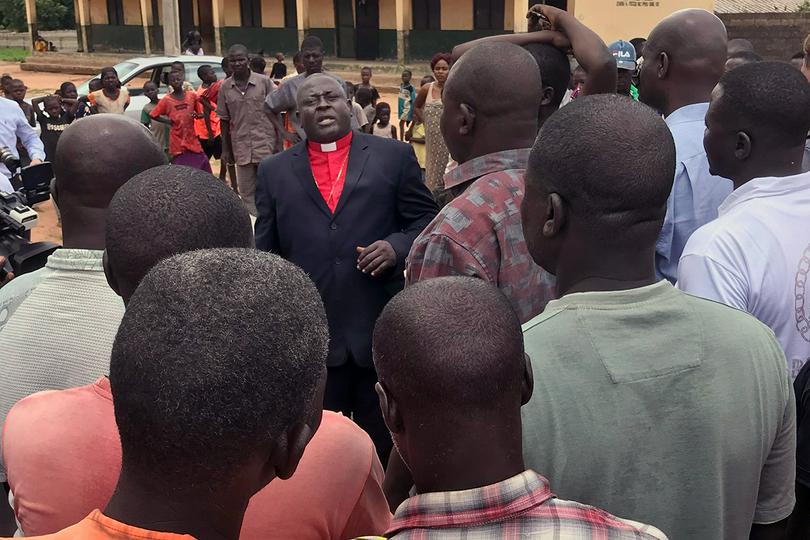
x=14, y=54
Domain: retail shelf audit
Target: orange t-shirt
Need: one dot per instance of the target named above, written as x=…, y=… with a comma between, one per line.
x=210, y=94
x=63, y=456
x=97, y=526
x=182, y=137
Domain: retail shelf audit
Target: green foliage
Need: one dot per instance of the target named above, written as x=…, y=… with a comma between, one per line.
x=51, y=15
x=13, y=54
x=804, y=7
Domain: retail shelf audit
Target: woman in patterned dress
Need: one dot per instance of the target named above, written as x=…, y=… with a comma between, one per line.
x=428, y=110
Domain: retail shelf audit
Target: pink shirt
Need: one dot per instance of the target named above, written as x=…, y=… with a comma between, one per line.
x=63, y=457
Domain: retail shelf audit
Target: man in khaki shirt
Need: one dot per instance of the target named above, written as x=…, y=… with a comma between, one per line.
x=248, y=136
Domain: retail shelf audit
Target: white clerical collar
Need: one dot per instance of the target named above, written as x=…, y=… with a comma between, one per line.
x=329, y=147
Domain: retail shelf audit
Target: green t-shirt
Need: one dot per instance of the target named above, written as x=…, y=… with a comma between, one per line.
x=662, y=408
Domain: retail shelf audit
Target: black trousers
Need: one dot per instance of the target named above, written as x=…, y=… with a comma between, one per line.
x=350, y=390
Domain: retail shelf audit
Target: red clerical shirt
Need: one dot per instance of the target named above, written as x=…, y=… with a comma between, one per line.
x=329, y=163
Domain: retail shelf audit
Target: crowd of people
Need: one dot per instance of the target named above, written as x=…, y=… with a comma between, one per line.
x=572, y=307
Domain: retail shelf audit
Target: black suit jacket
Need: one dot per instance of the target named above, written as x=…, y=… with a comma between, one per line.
x=383, y=198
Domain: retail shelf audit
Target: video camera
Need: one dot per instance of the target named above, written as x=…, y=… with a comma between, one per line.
x=32, y=185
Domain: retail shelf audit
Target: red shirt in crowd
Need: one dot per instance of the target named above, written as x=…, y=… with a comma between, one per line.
x=210, y=94
x=329, y=163
x=182, y=137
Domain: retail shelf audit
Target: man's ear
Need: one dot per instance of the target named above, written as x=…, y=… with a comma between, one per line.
x=287, y=453
x=54, y=194
x=742, y=148
x=389, y=408
x=663, y=65
x=527, y=387
x=112, y=279
x=548, y=96
x=467, y=119
x=555, y=215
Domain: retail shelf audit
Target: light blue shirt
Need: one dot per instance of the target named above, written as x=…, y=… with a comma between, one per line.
x=696, y=193
x=13, y=124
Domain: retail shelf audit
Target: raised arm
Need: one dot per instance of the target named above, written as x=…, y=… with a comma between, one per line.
x=550, y=37
x=588, y=49
x=35, y=104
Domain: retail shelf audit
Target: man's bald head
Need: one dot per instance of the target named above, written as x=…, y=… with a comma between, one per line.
x=737, y=46
x=684, y=58
x=95, y=157
x=493, y=89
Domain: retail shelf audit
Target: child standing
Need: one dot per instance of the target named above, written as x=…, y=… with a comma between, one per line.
x=112, y=98
x=178, y=110
x=52, y=122
x=365, y=78
x=363, y=98
x=208, y=127
x=407, y=95
x=82, y=108
x=18, y=89
x=416, y=134
x=159, y=130
x=382, y=127
x=279, y=70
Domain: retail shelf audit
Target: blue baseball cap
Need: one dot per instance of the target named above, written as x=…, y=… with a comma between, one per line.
x=624, y=53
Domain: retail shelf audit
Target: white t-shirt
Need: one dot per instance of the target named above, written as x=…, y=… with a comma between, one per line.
x=756, y=257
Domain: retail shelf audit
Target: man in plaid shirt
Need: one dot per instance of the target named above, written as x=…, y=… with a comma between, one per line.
x=455, y=419
x=489, y=125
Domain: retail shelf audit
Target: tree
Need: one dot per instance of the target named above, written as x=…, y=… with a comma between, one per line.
x=51, y=15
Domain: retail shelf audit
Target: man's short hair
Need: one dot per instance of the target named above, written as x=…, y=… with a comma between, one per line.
x=312, y=42
x=237, y=48
x=168, y=210
x=450, y=343
x=108, y=69
x=773, y=97
x=257, y=63
x=555, y=69
x=612, y=160
x=219, y=353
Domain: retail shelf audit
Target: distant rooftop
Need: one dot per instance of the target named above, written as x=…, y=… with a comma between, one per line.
x=757, y=6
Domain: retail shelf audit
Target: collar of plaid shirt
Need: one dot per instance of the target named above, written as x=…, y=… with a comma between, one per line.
x=489, y=163
x=472, y=507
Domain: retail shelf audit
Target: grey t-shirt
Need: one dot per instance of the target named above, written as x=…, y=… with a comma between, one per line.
x=663, y=408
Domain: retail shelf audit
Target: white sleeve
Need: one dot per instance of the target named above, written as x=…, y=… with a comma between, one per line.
x=700, y=275
x=30, y=139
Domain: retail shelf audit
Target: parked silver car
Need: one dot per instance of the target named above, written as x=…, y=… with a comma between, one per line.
x=135, y=72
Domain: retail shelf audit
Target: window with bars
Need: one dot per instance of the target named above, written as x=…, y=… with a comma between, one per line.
x=488, y=14
x=427, y=15
x=251, y=11
x=115, y=12
x=290, y=14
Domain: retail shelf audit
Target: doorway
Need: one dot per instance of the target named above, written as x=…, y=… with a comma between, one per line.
x=344, y=25
x=368, y=29
x=206, y=24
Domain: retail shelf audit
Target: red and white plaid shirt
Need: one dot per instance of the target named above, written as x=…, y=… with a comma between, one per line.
x=520, y=507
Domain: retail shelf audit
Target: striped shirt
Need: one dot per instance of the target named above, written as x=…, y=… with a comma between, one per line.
x=522, y=506
x=57, y=327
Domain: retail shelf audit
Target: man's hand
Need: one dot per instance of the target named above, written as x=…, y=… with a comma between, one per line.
x=33, y=162
x=292, y=138
x=376, y=258
x=546, y=17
